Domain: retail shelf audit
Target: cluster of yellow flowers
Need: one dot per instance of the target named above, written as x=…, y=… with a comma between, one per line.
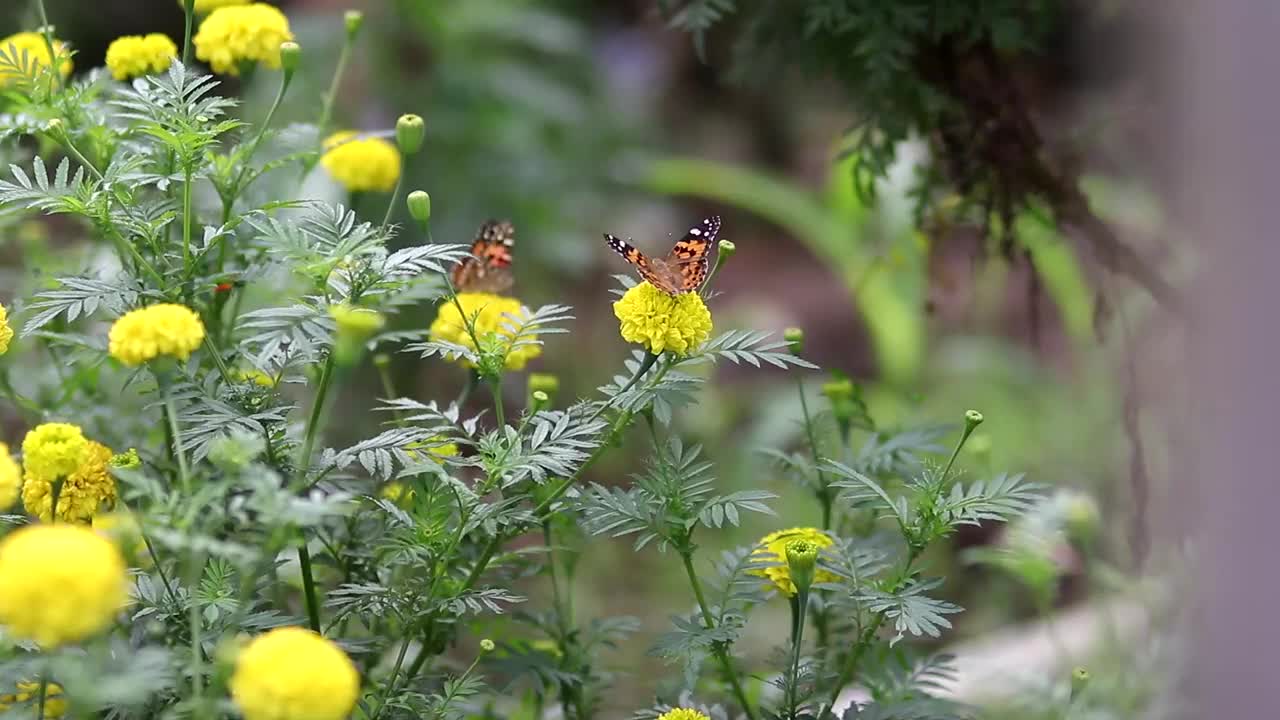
x=661, y=322
x=60, y=453
x=773, y=550
x=59, y=583
x=147, y=333
x=242, y=34
x=683, y=714
x=33, y=45
x=486, y=311
x=361, y=164
x=55, y=705
x=135, y=55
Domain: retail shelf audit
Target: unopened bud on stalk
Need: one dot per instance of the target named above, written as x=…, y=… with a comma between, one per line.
x=419, y=203
x=727, y=249
x=355, y=326
x=410, y=130
x=353, y=19
x=802, y=558
x=795, y=338
x=486, y=645
x=290, y=56
x=1079, y=681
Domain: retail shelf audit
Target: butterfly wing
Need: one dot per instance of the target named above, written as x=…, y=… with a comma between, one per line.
x=489, y=267
x=691, y=256
x=642, y=263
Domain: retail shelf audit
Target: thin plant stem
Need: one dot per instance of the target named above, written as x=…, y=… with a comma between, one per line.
x=495, y=387
x=190, y=7
x=326, y=111
x=186, y=219
x=721, y=654
x=797, y=638
x=44, y=677
x=391, y=683
x=184, y=478
x=395, y=195
x=46, y=31
x=197, y=652
x=309, y=586
x=823, y=495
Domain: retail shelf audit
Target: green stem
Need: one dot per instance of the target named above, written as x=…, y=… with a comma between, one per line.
x=47, y=32
x=813, y=449
x=720, y=652
x=969, y=424
x=184, y=478
x=797, y=638
x=313, y=421
x=236, y=188
x=395, y=195
x=495, y=387
x=326, y=111
x=197, y=652
x=309, y=586
x=190, y=8
x=44, y=677
x=392, y=681
x=186, y=220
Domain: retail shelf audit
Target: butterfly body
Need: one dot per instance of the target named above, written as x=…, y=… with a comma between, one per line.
x=489, y=267
x=684, y=269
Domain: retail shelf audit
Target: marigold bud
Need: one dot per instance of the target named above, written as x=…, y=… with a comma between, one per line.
x=381, y=360
x=353, y=19
x=290, y=56
x=538, y=400
x=727, y=249
x=419, y=203
x=795, y=338
x=409, y=133
x=802, y=558
x=487, y=645
x=972, y=419
x=355, y=326
x=1079, y=680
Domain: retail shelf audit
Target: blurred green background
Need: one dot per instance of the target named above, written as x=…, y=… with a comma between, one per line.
x=575, y=118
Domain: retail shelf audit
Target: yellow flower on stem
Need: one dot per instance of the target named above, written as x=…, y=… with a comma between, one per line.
x=487, y=312
x=37, y=52
x=774, y=552
x=59, y=583
x=236, y=34
x=658, y=321
x=132, y=56
x=294, y=674
x=6, y=332
x=361, y=164
x=683, y=714
x=83, y=494
x=53, y=450
x=10, y=478
x=147, y=333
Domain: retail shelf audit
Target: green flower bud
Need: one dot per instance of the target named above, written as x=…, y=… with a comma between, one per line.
x=486, y=645
x=419, y=203
x=290, y=56
x=795, y=338
x=972, y=419
x=410, y=131
x=353, y=19
x=381, y=360
x=126, y=459
x=727, y=249
x=1079, y=680
x=802, y=558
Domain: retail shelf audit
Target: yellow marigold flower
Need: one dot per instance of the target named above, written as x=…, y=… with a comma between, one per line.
x=33, y=44
x=294, y=674
x=774, y=552
x=59, y=583
x=361, y=164
x=84, y=492
x=131, y=56
x=147, y=333
x=53, y=450
x=10, y=478
x=28, y=692
x=204, y=7
x=683, y=714
x=487, y=311
x=658, y=321
x=6, y=332
x=235, y=34
x=253, y=376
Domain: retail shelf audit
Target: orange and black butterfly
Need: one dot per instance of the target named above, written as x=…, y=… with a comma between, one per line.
x=489, y=267
x=684, y=268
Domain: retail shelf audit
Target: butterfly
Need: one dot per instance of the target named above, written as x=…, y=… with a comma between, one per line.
x=684, y=268
x=488, y=269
